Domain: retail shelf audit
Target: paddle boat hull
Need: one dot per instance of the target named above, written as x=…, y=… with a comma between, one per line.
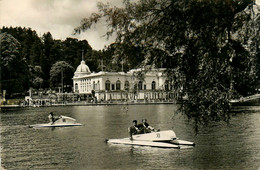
x=50, y=125
x=162, y=139
x=160, y=136
x=182, y=142
x=63, y=121
x=127, y=141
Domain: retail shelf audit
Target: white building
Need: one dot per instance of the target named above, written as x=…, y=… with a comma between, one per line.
x=109, y=86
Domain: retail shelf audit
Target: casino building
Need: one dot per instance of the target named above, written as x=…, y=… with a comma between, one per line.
x=112, y=86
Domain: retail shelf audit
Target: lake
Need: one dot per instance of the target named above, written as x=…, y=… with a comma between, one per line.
x=218, y=146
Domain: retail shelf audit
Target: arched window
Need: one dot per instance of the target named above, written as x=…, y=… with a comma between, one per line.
x=76, y=86
x=153, y=85
x=107, y=85
x=118, y=85
x=126, y=85
x=140, y=85
x=98, y=85
x=112, y=86
x=144, y=86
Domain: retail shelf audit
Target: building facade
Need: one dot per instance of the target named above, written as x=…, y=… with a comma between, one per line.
x=109, y=86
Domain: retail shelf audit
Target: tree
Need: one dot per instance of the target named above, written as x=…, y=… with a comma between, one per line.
x=43, y=52
x=31, y=45
x=196, y=40
x=73, y=49
x=112, y=55
x=47, y=58
x=60, y=72
x=36, y=76
x=14, y=69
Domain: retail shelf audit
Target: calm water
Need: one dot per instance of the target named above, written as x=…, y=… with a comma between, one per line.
x=219, y=146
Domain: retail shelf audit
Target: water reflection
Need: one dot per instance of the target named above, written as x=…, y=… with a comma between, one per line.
x=218, y=146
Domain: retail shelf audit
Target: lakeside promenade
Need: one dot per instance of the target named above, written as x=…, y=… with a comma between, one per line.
x=83, y=103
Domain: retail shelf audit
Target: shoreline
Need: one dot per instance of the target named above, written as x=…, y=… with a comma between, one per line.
x=90, y=104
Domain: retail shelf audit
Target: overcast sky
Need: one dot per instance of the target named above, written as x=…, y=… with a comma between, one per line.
x=59, y=17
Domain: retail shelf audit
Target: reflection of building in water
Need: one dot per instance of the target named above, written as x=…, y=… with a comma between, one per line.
x=120, y=85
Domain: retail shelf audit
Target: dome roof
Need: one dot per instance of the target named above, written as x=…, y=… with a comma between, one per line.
x=82, y=69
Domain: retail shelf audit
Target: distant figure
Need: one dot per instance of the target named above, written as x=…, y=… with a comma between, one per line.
x=133, y=130
x=125, y=109
x=52, y=118
x=146, y=128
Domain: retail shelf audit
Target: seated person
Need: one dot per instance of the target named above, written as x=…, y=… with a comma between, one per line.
x=52, y=118
x=133, y=130
x=146, y=128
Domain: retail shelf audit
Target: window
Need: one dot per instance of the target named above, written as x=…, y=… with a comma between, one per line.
x=118, y=85
x=140, y=85
x=94, y=86
x=76, y=86
x=113, y=87
x=144, y=86
x=81, y=84
x=126, y=85
x=153, y=85
x=98, y=85
x=85, y=85
x=107, y=85
x=166, y=85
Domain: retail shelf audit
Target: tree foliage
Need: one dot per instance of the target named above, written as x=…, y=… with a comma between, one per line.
x=207, y=46
x=40, y=53
x=60, y=72
x=36, y=75
x=14, y=69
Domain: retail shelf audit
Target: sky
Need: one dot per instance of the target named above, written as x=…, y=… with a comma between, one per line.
x=59, y=17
